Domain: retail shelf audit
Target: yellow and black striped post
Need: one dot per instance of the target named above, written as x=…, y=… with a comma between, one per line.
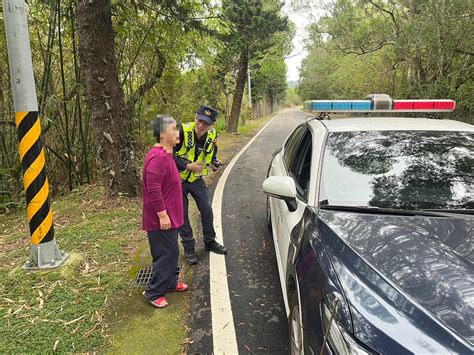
x=35, y=182
x=44, y=253
x=249, y=91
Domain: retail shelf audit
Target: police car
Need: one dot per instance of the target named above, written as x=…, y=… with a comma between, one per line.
x=372, y=220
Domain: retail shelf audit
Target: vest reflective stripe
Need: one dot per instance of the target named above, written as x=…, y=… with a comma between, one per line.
x=188, y=151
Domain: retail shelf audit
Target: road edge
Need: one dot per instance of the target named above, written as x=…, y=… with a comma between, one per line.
x=223, y=329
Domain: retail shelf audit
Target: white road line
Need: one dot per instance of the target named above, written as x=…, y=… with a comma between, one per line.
x=223, y=330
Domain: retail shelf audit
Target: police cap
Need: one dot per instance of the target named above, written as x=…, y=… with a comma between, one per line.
x=207, y=114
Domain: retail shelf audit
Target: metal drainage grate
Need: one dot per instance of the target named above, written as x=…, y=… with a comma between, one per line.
x=145, y=274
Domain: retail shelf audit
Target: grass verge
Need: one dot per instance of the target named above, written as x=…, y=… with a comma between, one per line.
x=88, y=304
x=64, y=309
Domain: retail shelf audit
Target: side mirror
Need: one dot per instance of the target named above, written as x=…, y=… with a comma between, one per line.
x=283, y=188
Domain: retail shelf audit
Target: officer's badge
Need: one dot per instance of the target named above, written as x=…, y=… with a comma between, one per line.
x=207, y=112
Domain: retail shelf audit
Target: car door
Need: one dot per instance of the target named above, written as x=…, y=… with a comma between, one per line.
x=297, y=166
x=278, y=168
x=277, y=209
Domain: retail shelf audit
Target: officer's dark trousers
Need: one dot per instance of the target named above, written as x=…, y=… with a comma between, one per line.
x=165, y=251
x=199, y=191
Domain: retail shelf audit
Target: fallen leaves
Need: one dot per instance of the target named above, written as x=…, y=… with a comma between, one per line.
x=55, y=346
x=75, y=320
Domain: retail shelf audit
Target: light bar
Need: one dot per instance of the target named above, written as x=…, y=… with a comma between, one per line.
x=424, y=105
x=341, y=105
x=380, y=103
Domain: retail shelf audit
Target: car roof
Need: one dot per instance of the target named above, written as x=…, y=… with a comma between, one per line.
x=391, y=124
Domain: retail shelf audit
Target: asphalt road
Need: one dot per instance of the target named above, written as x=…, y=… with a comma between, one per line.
x=254, y=285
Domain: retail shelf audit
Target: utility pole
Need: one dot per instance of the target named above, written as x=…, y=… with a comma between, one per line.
x=44, y=253
x=250, y=115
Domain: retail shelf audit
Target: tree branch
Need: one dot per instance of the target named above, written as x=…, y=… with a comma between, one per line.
x=390, y=13
x=149, y=83
x=193, y=22
x=463, y=52
x=8, y=122
x=139, y=50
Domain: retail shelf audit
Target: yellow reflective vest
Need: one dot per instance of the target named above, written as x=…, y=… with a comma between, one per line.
x=188, y=151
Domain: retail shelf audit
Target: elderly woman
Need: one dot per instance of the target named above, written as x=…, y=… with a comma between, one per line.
x=162, y=211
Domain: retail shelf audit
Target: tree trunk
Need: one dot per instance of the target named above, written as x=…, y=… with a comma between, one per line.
x=227, y=104
x=104, y=97
x=233, y=122
x=272, y=102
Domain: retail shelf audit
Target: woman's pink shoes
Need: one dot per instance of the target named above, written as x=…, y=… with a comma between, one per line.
x=160, y=302
x=180, y=287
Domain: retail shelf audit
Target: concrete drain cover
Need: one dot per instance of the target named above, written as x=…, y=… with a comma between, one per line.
x=145, y=274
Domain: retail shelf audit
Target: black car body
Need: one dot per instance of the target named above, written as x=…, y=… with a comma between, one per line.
x=403, y=283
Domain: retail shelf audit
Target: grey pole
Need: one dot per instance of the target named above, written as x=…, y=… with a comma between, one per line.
x=19, y=55
x=249, y=90
x=44, y=253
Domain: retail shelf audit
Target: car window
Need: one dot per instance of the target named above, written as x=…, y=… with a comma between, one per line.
x=291, y=145
x=300, y=168
x=399, y=169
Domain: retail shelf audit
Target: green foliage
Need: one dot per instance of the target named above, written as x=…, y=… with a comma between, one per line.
x=253, y=24
x=269, y=73
x=403, y=48
x=292, y=98
x=270, y=79
x=255, y=28
x=220, y=125
x=314, y=75
x=165, y=52
x=173, y=56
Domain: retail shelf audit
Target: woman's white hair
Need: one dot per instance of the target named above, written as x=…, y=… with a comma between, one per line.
x=160, y=125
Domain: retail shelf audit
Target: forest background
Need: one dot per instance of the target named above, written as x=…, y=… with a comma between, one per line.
x=105, y=68
x=101, y=78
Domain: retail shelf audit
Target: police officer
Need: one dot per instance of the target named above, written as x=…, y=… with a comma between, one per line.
x=194, y=154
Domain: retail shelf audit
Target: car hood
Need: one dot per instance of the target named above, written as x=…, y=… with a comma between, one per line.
x=428, y=259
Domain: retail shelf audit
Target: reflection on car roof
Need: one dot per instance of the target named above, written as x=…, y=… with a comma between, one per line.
x=392, y=124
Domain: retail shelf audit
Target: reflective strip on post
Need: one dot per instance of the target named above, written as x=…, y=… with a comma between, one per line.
x=35, y=182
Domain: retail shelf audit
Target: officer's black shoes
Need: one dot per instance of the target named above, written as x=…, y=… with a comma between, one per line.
x=215, y=248
x=191, y=258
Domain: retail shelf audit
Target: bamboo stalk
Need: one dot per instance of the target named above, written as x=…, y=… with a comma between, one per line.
x=64, y=104
x=47, y=66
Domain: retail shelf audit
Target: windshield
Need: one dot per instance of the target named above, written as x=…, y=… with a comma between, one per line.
x=399, y=169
